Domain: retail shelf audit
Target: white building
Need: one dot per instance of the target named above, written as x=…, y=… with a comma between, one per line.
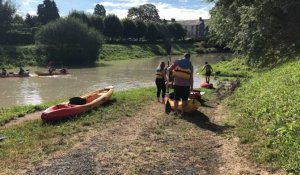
x=195, y=28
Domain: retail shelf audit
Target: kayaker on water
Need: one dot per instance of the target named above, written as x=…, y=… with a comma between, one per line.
x=182, y=71
x=4, y=72
x=208, y=70
x=160, y=82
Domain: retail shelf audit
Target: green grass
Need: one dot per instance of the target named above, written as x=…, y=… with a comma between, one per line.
x=8, y=114
x=29, y=55
x=232, y=68
x=34, y=140
x=267, y=115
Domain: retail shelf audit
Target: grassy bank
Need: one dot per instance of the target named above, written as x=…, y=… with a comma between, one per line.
x=265, y=110
x=34, y=140
x=8, y=114
x=12, y=56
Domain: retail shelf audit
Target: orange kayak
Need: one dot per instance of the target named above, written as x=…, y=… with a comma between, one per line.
x=84, y=103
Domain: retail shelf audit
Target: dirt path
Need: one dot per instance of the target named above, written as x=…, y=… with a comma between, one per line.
x=27, y=117
x=154, y=143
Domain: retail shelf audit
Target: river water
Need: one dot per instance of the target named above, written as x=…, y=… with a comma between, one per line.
x=122, y=75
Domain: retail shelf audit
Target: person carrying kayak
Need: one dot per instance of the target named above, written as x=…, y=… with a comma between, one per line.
x=160, y=82
x=208, y=70
x=182, y=71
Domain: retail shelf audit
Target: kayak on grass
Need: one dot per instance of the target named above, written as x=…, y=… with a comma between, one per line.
x=77, y=105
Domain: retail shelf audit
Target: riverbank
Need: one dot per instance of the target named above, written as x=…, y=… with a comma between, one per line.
x=13, y=56
x=129, y=135
x=265, y=111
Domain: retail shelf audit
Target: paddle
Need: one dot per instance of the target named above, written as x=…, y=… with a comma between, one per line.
x=168, y=108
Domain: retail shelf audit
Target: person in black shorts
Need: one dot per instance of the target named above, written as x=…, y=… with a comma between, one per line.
x=160, y=82
x=208, y=70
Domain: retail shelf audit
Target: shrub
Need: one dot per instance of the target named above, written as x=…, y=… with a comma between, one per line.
x=69, y=41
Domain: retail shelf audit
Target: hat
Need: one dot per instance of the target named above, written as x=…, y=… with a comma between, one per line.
x=187, y=55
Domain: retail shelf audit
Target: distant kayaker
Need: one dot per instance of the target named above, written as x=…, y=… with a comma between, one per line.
x=160, y=82
x=208, y=70
x=21, y=71
x=4, y=72
x=63, y=70
x=182, y=71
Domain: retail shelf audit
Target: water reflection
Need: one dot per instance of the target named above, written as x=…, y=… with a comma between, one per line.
x=121, y=74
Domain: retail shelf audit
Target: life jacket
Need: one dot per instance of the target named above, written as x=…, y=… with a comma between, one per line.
x=208, y=67
x=158, y=73
x=183, y=70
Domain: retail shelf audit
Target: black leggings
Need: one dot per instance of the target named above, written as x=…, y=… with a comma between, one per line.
x=161, y=86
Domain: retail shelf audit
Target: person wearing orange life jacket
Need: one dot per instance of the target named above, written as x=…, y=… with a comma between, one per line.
x=182, y=71
x=160, y=82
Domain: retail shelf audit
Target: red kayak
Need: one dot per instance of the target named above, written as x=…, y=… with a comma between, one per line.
x=195, y=94
x=207, y=85
x=77, y=105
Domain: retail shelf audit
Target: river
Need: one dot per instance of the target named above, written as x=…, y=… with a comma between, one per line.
x=122, y=75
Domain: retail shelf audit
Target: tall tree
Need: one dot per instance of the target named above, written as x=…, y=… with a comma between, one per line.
x=7, y=10
x=99, y=10
x=31, y=21
x=152, y=32
x=141, y=29
x=146, y=12
x=129, y=30
x=96, y=22
x=79, y=15
x=264, y=31
x=47, y=11
x=113, y=27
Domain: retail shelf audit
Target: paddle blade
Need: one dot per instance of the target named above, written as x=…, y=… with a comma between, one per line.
x=168, y=108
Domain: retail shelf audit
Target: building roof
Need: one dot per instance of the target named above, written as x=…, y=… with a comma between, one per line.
x=191, y=22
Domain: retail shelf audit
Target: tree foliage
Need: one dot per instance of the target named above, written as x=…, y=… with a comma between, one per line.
x=146, y=12
x=31, y=21
x=129, y=28
x=79, y=15
x=69, y=41
x=97, y=22
x=99, y=10
x=263, y=30
x=47, y=11
x=141, y=29
x=113, y=27
x=152, y=32
x=7, y=10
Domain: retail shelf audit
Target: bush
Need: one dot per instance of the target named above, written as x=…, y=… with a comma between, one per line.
x=70, y=42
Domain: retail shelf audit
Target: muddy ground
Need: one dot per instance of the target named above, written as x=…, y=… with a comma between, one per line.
x=151, y=142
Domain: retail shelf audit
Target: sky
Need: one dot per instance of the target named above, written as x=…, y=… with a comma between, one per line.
x=167, y=9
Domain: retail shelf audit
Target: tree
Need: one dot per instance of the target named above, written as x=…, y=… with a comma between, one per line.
x=79, y=15
x=264, y=31
x=99, y=10
x=146, y=12
x=47, y=11
x=7, y=10
x=152, y=32
x=141, y=29
x=179, y=31
x=69, y=41
x=113, y=27
x=97, y=22
x=31, y=21
x=129, y=30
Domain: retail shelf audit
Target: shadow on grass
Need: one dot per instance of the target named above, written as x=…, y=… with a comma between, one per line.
x=202, y=121
x=77, y=117
x=203, y=104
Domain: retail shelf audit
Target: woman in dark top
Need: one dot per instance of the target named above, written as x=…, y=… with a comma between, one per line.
x=160, y=81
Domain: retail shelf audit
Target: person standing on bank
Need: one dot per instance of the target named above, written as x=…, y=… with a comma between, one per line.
x=160, y=82
x=208, y=70
x=182, y=71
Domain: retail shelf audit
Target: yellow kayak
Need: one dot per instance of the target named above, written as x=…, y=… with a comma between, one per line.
x=192, y=105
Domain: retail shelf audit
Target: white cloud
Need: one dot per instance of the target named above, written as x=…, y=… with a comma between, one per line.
x=166, y=11
x=124, y=4
x=29, y=2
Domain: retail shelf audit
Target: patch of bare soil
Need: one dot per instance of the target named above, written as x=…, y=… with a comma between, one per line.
x=27, y=117
x=151, y=142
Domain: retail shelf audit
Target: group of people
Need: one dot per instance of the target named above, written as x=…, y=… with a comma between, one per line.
x=21, y=72
x=181, y=72
x=51, y=69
